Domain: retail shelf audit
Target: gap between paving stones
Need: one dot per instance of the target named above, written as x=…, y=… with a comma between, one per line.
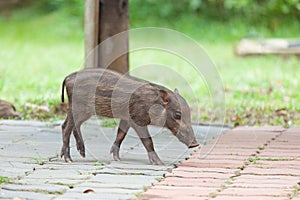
x=227, y=188
x=267, y=189
x=29, y=157
x=250, y=160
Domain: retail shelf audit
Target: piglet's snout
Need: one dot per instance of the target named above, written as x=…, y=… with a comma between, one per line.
x=194, y=144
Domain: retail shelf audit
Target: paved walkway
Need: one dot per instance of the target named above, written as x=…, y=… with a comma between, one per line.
x=31, y=168
x=245, y=163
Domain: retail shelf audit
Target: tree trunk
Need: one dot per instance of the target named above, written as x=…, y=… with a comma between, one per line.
x=103, y=20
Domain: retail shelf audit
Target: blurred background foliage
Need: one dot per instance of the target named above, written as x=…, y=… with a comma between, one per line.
x=252, y=10
x=43, y=40
x=219, y=9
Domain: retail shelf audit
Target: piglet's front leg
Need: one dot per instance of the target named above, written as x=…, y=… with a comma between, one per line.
x=146, y=139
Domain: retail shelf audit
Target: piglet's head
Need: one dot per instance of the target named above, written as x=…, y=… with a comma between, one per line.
x=178, y=117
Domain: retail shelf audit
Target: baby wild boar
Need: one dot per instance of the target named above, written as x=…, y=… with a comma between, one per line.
x=7, y=110
x=137, y=103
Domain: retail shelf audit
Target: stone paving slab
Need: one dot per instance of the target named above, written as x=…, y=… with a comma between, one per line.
x=245, y=163
x=29, y=157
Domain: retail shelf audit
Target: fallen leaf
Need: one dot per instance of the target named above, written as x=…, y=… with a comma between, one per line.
x=281, y=112
x=37, y=108
x=87, y=191
x=247, y=113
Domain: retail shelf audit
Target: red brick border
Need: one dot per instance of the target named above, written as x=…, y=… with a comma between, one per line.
x=246, y=163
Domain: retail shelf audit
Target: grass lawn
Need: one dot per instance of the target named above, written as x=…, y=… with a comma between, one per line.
x=38, y=52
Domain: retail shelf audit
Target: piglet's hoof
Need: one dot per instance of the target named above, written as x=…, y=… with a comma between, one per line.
x=154, y=159
x=81, y=149
x=68, y=160
x=115, y=151
x=65, y=152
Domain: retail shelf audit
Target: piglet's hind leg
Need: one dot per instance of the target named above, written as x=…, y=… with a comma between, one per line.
x=67, y=128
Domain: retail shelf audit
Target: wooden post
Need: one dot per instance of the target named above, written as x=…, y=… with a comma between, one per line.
x=112, y=19
x=91, y=22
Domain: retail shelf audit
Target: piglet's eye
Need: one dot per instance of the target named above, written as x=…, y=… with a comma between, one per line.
x=177, y=115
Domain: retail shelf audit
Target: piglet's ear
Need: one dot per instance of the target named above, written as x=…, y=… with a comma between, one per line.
x=176, y=91
x=165, y=96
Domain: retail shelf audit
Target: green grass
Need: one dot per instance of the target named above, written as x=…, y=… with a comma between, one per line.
x=36, y=54
x=38, y=51
x=4, y=179
x=39, y=161
x=70, y=185
x=253, y=159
